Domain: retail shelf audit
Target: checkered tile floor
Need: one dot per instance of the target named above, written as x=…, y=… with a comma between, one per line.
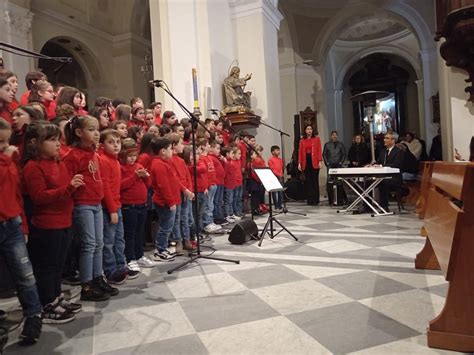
x=348, y=285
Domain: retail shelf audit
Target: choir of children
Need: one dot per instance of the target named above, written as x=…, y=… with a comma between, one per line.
x=100, y=179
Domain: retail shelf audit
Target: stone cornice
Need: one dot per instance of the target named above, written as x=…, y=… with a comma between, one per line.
x=243, y=8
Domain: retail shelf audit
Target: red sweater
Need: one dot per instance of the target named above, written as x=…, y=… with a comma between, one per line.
x=243, y=158
x=219, y=168
x=211, y=171
x=233, y=174
x=145, y=160
x=24, y=98
x=158, y=120
x=11, y=203
x=276, y=164
x=258, y=162
x=111, y=178
x=312, y=145
x=133, y=190
x=48, y=183
x=201, y=168
x=50, y=107
x=85, y=162
x=225, y=137
x=166, y=191
x=182, y=172
x=63, y=150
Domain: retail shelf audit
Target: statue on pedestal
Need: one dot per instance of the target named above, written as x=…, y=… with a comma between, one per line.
x=237, y=100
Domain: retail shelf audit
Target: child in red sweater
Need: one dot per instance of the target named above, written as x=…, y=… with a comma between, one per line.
x=13, y=233
x=82, y=134
x=114, y=262
x=42, y=92
x=134, y=193
x=256, y=188
x=50, y=187
x=208, y=215
x=166, y=195
x=181, y=230
x=276, y=164
x=232, y=183
x=218, y=160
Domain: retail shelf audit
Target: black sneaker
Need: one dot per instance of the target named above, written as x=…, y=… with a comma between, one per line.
x=70, y=306
x=163, y=255
x=102, y=284
x=31, y=330
x=132, y=274
x=53, y=313
x=3, y=315
x=117, y=277
x=94, y=294
x=72, y=280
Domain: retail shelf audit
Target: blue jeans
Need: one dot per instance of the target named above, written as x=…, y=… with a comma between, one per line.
x=228, y=201
x=237, y=200
x=208, y=217
x=177, y=224
x=114, y=244
x=134, y=219
x=185, y=220
x=202, y=202
x=219, y=203
x=278, y=199
x=89, y=226
x=13, y=250
x=166, y=219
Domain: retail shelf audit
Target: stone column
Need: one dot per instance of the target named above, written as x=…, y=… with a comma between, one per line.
x=430, y=88
x=15, y=29
x=255, y=25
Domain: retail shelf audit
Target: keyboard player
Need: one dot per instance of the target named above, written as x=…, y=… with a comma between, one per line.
x=390, y=156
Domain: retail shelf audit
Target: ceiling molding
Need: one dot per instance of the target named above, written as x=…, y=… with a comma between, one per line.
x=244, y=8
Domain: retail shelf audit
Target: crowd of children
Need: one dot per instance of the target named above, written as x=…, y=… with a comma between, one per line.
x=90, y=184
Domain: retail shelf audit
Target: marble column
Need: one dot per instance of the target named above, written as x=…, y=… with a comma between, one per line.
x=255, y=25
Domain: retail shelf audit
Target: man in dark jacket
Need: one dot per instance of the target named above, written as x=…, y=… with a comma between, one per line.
x=334, y=154
x=391, y=156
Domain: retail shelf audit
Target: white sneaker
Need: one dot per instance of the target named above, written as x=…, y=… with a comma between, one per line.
x=146, y=263
x=237, y=218
x=212, y=228
x=133, y=265
x=230, y=219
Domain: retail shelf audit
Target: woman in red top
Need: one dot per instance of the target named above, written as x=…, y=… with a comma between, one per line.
x=50, y=188
x=42, y=92
x=309, y=162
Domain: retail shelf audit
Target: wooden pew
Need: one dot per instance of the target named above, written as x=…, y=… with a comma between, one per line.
x=450, y=229
x=426, y=258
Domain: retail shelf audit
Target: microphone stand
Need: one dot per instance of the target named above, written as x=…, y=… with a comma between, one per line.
x=285, y=209
x=194, y=120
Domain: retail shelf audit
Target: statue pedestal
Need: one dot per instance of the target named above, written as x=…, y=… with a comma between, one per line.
x=246, y=119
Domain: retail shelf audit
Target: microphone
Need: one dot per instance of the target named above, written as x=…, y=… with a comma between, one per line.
x=156, y=82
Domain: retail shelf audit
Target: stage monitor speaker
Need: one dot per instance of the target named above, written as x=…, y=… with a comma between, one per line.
x=243, y=231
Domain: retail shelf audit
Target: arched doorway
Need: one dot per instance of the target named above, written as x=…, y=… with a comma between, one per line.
x=382, y=72
x=70, y=74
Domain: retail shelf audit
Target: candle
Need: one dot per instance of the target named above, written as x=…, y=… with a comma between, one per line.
x=195, y=89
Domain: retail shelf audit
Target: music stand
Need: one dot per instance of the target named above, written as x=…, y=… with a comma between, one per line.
x=271, y=184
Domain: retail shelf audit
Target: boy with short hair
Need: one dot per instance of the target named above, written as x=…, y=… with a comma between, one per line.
x=208, y=216
x=276, y=164
x=217, y=159
x=166, y=195
x=114, y=261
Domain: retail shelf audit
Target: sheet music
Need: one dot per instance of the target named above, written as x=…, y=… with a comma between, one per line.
x=268, y=179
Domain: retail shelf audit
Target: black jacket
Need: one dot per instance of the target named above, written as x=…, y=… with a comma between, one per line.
x=359, y=153
x=393, y=160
